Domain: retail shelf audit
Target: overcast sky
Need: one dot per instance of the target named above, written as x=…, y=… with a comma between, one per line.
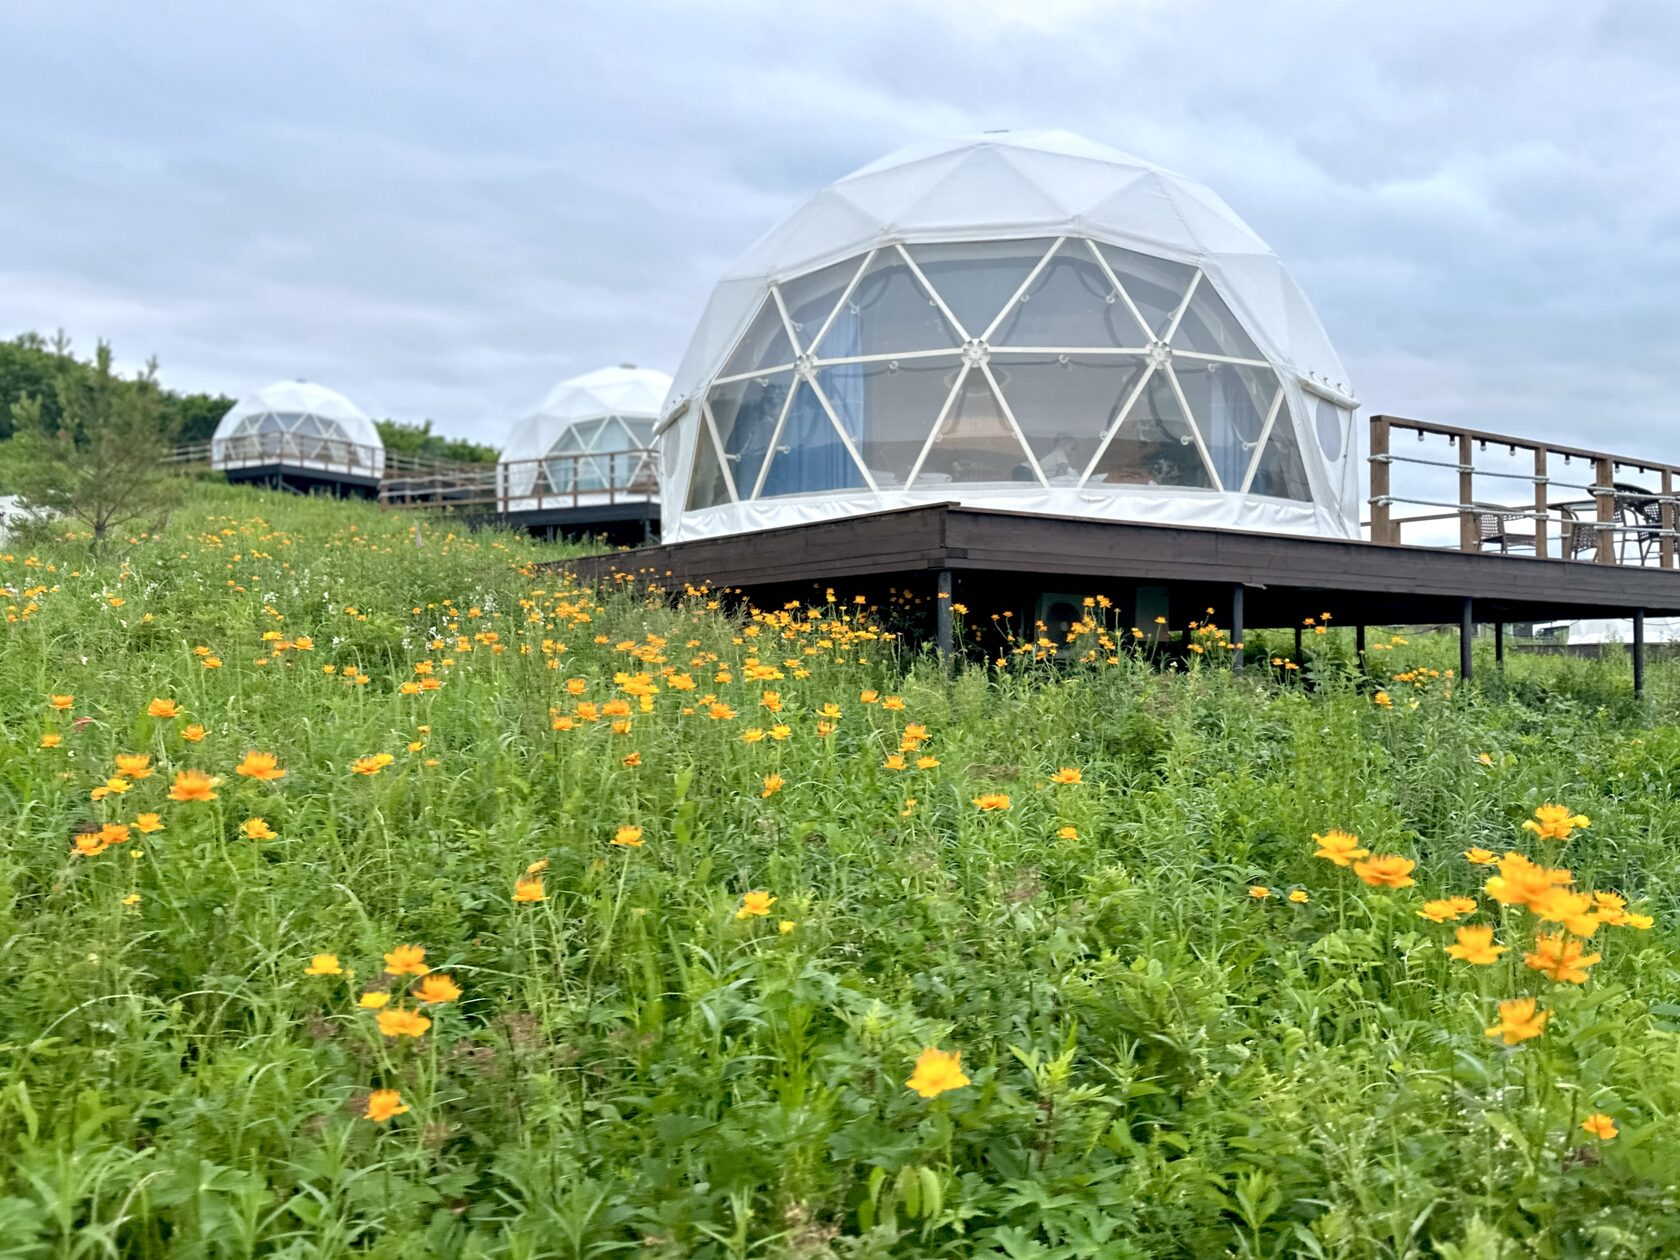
x=443, y=209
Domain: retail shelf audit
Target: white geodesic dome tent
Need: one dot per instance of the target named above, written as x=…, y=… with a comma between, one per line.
x=590, y=433
x=1018, y=320
x=298, y=424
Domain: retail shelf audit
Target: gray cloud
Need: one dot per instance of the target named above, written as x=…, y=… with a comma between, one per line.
x=442, y=210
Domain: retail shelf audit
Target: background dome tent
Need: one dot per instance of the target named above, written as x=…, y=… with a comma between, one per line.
x=591, y=432
x=1029, y=321
x=300, y=425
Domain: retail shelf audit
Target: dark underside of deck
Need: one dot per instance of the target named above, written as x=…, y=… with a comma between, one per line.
x=624, y=524
x=342, y=485
x=1000, y=561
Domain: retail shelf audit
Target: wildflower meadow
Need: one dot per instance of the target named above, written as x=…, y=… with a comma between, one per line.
x=372, y=889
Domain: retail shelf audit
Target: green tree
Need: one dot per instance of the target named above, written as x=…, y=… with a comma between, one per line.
x=418, y=439
x=93, y=447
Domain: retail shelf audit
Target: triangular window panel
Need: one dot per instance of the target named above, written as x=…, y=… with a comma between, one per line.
x=978, y=279
x=1065, y=403
x=975, y=443
x=1208, y=327
x=706, y=485
x=888, y=409
x=1229, y=403
x=1155, y=285
x=765, y=344
x=309, y=425
x=809, y=457
x=1154, y=445
x=270, y=424
x=1280, y=473
x=746, y=413
x=810, y=299
x=888, y=312
x=1070, y=303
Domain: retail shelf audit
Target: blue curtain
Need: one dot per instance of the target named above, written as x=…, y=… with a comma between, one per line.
x=815, y=460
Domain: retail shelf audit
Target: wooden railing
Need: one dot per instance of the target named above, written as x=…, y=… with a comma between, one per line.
x=590, y=479
x=1622, y=510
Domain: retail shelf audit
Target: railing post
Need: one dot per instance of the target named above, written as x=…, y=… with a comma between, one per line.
x=1665, y=545
x=1542, y=507
x=1604, y=473
x=1379, y=480
x=1469, y=538
x=1236, y=627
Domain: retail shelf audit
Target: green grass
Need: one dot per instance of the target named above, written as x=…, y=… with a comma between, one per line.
x=1159, y=1064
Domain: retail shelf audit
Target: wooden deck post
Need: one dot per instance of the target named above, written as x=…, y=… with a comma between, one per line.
x=1469, y=538
x=1359, y=644
x=1466, y=635
x=1236, y=627
x=1665, y=546
x=942, y=618
x=1380, y=526
x=1297, y=645
x=1604, y=473
x=1542, y=506
x=1638, y=651
x=1499, y=646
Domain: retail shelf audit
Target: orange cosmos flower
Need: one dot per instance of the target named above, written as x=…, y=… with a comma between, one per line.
x=436, y=989
x=1481, y=857
x=406, y=960
x=1521, y=882
x=260, y=765
x=772, y=785
x=257, y=829
x=324, y=965
x=1560, y=958
x=134, y=765
x=937, y=1071
x=383, y=1104
x=1519, y=1021
x=1475, y=946
x=371, y=765
x=1600, y=1126
x=894, y=761
x=1067, y=775
x=145, y=824
x=1555, y=822
x=1444, y=908
x=61, y=703
x=163, y=709
x=755, y=905
x=1576, y=911
x=989, y=801
x=114, y=833
x=52, y=739
x=193, y=785
x=1259, y=892
x=403, y=1022
x=1339, y=847
x=192, y=733
x=90, y=844
x=629, y=836
x=529, y=888
x=1299, y=896
x=633, y=760
x=373, y=999
x=1386, y=870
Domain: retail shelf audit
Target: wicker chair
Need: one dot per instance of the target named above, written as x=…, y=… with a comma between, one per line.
x=1494, y=522
x=1579, y=534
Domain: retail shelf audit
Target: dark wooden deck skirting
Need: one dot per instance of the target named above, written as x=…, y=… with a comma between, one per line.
x=992, y=560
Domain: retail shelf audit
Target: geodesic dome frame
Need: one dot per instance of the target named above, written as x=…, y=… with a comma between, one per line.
x=301, y=425
x=1024, y=321
x=591, y=433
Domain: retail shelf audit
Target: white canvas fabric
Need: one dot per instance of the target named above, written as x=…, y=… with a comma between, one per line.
x=596, y=427
x=1020, y=320
x=298, y=424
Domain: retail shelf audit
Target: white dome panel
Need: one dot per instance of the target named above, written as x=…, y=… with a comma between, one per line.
x=298, y=424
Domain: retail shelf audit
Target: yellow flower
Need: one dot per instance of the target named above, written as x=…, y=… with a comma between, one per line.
x=785, y=927
x=629, y=836
x=163, y=709
x=1067, y=775
x=1068, y=833
x=116, y=784
x=61, y=703
x=257, y=829
x=937, y=1071
x=537, y=867
x=752, y=735
x=869, y=697
x=1339, y=847
x=382, y=1104
x=133, y=899
x=1480, y=857
x=529, y=888
x=192, y=733
x=893, y=704
x=135, y=766
x=1444, y=908
x=403, y=1022
x=373, y=999
x=90, y=844
x=193, y=785
x=1555, y=822
x=1600, y=1126
x=371, y=765
x=436, y=989
x=406, y=960
x=755, y=905
x=1386, y=870
x=145, y=824
x=324, y=965
x=1560, y=958
x=989, y=801
x=1475, y=946
x=1521, y=882
x=772, y=785
x=1299, y=896
x=1381, y=699
x=926, y=763
x=52, y=739
x=894, y=761
x=1518, y=1021
x=1259, y=892
x=1576, y=911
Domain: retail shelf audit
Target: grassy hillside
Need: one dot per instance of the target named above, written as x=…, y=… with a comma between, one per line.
x=708, y=902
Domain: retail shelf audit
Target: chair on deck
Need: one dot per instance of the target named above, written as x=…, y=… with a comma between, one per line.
x=1579, y=534
x=1494, y=528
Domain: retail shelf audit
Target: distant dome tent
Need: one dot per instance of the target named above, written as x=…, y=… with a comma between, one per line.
x=591, y=433
x=298, y=424
x=1028, y=321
